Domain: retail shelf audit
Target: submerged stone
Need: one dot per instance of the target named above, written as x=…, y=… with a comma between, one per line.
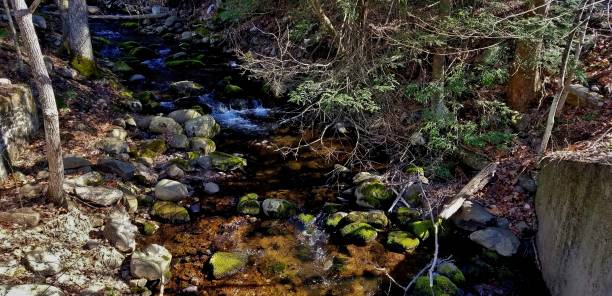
x=402, y=241
x=442, y=286
x=358, y=232
x=248, y=205
x=170, y=211
x=278, y=208
x=372, y=194
x=227, y=162
x=224, y=264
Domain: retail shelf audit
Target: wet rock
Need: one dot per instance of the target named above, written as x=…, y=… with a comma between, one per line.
x=358, y=232
x=184, y=115
x=170, y=211
x=421, y=229
x=211, y=188
x=174, y=172
x=224, y=264
x=101, y=196
x=204, y=145
x=170, y=190
x=123, y=169
x=120, y=232
x=372, y=194
x=75, y=162
x=203, y=126
x=118, y=133
x=152, y=263
x=185, y=87
x=178, y=141
x=402, y=241
x=226, y=162
x=306, y=219
x=330, y=207
x=165, y=125
x=278, y=208
x=113, y=146
x=442, y=286
x=248, y=205
x=501, y=240
x=43, y=262
x=472, y=217
x=377, y=219
x=30, y=290
x=405, y=215
x=334, y=219
x=22, y=216
x=451, y=271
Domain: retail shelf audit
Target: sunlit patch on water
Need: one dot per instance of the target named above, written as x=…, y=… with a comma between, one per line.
x=240, y=119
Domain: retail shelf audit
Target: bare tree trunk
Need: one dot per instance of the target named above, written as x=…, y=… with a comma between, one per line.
x=323, y=19
x=439, y=62
x=62, y=5
x=79, y=38
x=7, y=10
x=47, y=102
x=525, y=84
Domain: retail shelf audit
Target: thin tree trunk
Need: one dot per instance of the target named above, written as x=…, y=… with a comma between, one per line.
x=323, y=19
x=439, y=62
x=47, y=102
x=567, y=71
x=62, y=6
x=7, y=10
x=525, y=84
x=79, y=38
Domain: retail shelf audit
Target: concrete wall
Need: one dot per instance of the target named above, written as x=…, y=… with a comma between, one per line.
x=574, y=209
x=18, y=122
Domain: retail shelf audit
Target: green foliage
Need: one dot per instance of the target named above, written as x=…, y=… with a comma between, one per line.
x=3, y=33
x=491, y=76
x=233, y=11
x=300, y=30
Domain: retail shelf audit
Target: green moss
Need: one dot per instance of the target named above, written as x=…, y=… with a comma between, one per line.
x=193, y=155
x=181, y=163
x=101, y=40
x=150, y=148
x=148, y=100
x=142, y=53
x=130, y=25
x=421, y=229
x=184, y=64
x=225, y=162
x=373, y=194
x=204, y=145
x=442, y=286
x=224, y=264
x=278, y=208
x=306, y=218
x=376, y=219
x=278, y=268
x=170, y=211
x=149, y=228
x=402, y=241
x=232, y=89
x=127, y=45
x=334, y=219
x=404, y=215
x=330, y=207
x=248, y=204
x=451, y=271
x=359, y=233
x=122, y=67
x=415, y=170
x=201, y=31
x=84, y=66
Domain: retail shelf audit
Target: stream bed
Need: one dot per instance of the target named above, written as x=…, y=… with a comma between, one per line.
x=285, y=256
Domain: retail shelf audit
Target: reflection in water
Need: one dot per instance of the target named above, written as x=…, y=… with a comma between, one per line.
x=236, y=119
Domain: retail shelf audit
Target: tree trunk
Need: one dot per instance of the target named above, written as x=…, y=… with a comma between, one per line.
x=439, y=62
x=524, y=84
x=79, y=39
x=7, y=10
x=62, y=5
x=47, y=102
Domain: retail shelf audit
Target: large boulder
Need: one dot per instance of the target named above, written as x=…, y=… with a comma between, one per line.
x=358, y=233
x=203, y=126
x=120, y=232
x=152, y=263
x=472, y=216
x=123, y=169
x=170, y=190
x=372, y=194
x=224, y=264
x=165, y=125
x=184, y=115
x=501, y=240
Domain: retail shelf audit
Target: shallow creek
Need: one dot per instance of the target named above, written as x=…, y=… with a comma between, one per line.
x=285, y=255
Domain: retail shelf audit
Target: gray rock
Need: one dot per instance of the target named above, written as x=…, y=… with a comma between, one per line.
x=137, y=78
x=169, y=22
x=527, y=183
x=21, y=216
x=152, y=263
x=144, y=175
x=118, y=133
x=202, y=144
x=30, y=290
x=135, y=106
x=165, y=125
x=67, y=72
x=203, y=126
x=31, y=190
x=178, y=141
x=185, y=87
x=91, y=9
x=175, y=172
x=113, y=146
x=120, y=231
x=39, y=22
x=211, y=188
x=143, y=122
x=278, y=208
x=170, y=190
x=43, y=262
x=472, y=217
x=183, y=115
x=75, y=162
x=88, y=179
x=186, y=36
x=101, y=196
x=501, y=240
x=121, y=168
x=204, y=162
x=364, y=176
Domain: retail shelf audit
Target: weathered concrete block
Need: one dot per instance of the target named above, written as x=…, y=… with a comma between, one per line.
x=574, y=207
x=18, y=121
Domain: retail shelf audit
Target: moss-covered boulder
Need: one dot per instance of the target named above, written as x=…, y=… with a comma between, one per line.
x=186, y=87
x=373, y=194
x=405, y=215
x=84, y=66
x=170, y=211
x=306, y=219
x=227, y=162
x=451, y=271
x=442, y=286
x=358, y=233
x=278, y=208
x=232, y=90
x=249, y=205
x=123, y=68
x=377, y=219
x=184, y=65
x=402, y=241
x=150, y=148
x=148, y=100
x=203, y=126
x=224, y=264
x=330, y=207
x=334, y=219
x=421, y=229
x=202, y=144
x=142, y=53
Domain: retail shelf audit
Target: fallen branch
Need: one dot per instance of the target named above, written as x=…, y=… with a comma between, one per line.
x=476, y=184
x=128, y=17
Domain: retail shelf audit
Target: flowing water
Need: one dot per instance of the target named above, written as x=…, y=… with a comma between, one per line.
x=286, y=256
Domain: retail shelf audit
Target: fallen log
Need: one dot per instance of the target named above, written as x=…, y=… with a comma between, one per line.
x=476, y=184
x=129, y=17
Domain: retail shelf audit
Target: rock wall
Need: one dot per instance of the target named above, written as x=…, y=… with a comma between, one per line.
x=574, y=208
x=18, y=122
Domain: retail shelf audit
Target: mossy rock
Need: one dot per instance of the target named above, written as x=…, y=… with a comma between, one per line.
x=84, y=66
x=130, y=25
x=232, y=89
x=122, y=67
x=330, y=207
x=185, y=65
x=376, y=219
x=278, y=208
x=149, y=227
x=402, y=241
x=150, y=148
x=142, y=53
x=170, y=211
x=226, y=162
x=334, y=219
x=421, y=229
x=249, y=205
x=148, y=100
x=128, y=45
x=224, y=264
x=442, y=286
x=451, y=271
x=373, y=194
x=306, y=218
x=181, y=163
x=168, y=37
x=358, y=233
x=204, y=145
x=405, y=215
x=101, y=40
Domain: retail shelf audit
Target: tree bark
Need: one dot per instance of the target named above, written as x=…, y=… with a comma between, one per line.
x=62, y=6
x=439, y=62
x=525, y=84
x=79, y=38
x=7, y=10
x=47, y=102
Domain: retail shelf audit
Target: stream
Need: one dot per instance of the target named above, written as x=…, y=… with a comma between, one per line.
x=285, y=256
